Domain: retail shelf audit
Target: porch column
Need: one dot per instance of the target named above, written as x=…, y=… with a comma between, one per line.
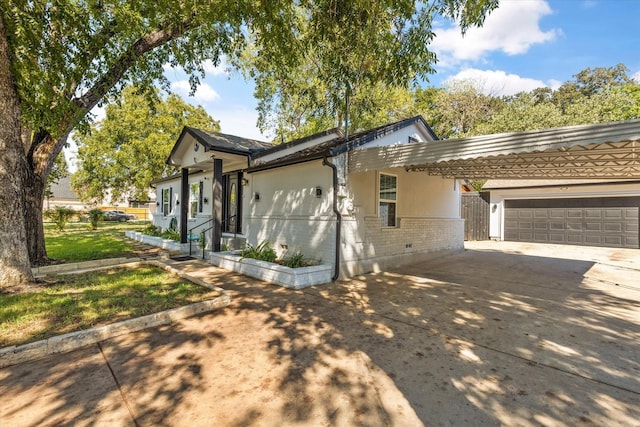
x=217, y=205
x=184, y=204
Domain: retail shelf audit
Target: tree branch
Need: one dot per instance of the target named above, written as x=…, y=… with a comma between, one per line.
x=141, y=46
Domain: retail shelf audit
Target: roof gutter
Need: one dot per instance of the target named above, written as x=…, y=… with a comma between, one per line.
x=336, y=271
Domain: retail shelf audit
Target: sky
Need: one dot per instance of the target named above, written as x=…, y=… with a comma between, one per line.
x=523, y=44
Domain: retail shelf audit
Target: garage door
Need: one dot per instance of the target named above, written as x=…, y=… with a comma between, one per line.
x=610, y=222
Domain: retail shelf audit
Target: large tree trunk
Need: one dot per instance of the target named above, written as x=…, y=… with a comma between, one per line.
x=34, y=199
x=15, y=268
x=42, y=152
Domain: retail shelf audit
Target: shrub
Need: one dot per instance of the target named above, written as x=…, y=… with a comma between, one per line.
x=263, y=252
x=95, y=215
x=295, y=261
x=60, y=216
x=171, y=234
x=151, y=230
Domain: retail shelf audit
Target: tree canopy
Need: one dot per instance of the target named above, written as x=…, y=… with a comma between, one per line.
x=121, y=154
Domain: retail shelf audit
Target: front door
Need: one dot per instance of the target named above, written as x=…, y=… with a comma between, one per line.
x=231, y=206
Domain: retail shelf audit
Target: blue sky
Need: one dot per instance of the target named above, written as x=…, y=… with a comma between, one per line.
x=523, y=44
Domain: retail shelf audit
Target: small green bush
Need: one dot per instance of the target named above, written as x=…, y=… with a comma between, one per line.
x=170, y=234
x=151, y=230
x=263, y=252
x=60, y=215
x=296, y=260
x=95, y=215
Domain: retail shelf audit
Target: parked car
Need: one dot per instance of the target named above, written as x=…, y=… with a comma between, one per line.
x=121, y=216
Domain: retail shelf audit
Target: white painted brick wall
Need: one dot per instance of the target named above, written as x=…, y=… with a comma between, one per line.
x=370, y=247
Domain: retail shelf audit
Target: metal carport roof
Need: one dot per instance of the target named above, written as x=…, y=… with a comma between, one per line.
x=608, y=150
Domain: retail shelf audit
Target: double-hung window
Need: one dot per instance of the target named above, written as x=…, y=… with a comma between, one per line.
x=166, y=201
x=387, y=195
x=195, y=199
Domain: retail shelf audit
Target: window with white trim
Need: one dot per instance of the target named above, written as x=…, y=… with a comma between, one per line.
x=166, y=201
x=387, y=196
x=195, y=199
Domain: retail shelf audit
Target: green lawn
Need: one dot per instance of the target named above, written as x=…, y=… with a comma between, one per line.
x=82, y=301
x=79, y=243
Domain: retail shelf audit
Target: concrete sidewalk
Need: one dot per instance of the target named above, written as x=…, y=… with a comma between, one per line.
x=483, y=337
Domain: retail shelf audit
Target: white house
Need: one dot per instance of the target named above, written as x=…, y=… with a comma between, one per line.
x=304, y=196
x=382, y=197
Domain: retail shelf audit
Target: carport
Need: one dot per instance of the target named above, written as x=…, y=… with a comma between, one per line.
x=608, y=151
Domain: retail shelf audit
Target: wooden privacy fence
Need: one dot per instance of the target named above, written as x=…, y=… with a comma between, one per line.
x=475, y=212
x=140, y=213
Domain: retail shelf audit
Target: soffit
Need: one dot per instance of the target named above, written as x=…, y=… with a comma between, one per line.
x=603, y=151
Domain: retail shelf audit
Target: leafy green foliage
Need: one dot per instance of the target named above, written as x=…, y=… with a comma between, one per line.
x=263, y=251
x=60, y=215
x=92, y=299
x=95, y=215
x=170, y=234
x=121, y=154
x=363, y=49
x=151, y=230
x=296, y=260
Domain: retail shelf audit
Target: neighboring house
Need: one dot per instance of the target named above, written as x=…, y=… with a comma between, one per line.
x=304, y=196
x=573, y=212
x=386, y=196
x=63, y=195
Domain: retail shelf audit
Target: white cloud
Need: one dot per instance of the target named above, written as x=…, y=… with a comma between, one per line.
x=636, y=77
x=512, y=28
x=238, y=120
x=499, y=83
x=204, y=92
x=210, y=69
x=216, y=70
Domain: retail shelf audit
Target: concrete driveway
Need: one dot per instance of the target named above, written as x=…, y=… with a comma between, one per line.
x=500, y=334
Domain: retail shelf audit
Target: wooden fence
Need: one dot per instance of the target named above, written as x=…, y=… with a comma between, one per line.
x=475, y=212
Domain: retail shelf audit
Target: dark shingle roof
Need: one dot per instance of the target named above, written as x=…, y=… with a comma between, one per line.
x=336, y=145
x=62, y=189
x=223, y=141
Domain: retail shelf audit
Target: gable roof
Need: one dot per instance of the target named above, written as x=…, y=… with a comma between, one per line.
x=336, y=145
x=221, y=142
x=61, y=189
x=299, y=141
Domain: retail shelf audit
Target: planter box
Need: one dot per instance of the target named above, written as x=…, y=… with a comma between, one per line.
x=170, y=245
x=293, y=278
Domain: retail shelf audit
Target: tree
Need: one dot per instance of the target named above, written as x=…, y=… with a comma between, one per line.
x=355, y=50
x=60, y=58
x=456, y=109
x=121, y=154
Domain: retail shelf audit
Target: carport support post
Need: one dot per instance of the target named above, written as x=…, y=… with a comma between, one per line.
x=217, y=205
x=184, y=204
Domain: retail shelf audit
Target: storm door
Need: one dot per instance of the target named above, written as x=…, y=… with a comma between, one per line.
x=231, y=206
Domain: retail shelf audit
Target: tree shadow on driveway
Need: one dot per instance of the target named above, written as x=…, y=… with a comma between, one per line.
x=477, y=338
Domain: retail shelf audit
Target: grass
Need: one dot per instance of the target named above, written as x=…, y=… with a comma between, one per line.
x=77, y=302
x=79, y=243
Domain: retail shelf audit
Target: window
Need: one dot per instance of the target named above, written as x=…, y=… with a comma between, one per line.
x=166, y=201
x=388, y=196
x=195, y=199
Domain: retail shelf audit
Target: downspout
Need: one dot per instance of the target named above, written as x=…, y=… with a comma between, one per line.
x=325, y=162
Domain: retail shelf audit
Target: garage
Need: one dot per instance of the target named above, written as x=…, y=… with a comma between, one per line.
x=604, y=221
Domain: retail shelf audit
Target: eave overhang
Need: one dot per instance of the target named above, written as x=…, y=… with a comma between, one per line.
x=609, y=150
